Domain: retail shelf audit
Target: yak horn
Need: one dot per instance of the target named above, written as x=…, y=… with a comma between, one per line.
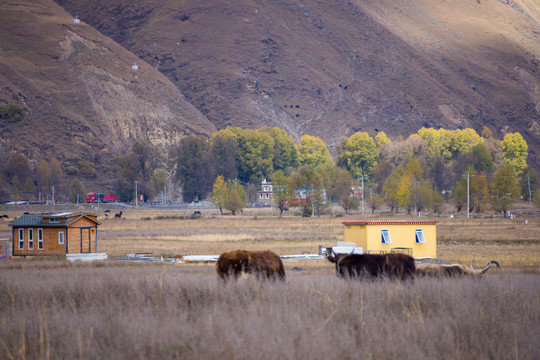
x=489, y=265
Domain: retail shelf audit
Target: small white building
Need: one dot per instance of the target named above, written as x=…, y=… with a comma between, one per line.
x=266, y=193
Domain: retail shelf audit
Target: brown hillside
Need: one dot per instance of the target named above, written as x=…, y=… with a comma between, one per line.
x=330, y=68
x=81, y=96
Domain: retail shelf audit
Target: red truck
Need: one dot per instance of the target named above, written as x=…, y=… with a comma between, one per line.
x=92, y=197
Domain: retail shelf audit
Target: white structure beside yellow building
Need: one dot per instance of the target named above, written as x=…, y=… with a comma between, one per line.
x=416, y=238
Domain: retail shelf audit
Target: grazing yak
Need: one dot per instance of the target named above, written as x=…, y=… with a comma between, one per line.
x=263, y=264
x=397, y=265
x=446, y=270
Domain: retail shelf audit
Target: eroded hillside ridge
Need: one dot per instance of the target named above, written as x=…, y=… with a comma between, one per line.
x=331, y=68
x=81, y=96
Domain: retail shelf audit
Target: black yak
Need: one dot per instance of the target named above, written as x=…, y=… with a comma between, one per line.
x=263, y=264
x=446, y=270
x=396, y=265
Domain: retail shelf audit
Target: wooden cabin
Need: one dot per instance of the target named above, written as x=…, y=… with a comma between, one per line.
x=54, y=234
x=415, y=238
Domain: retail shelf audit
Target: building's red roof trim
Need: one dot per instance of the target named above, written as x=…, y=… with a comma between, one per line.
x=405, y=222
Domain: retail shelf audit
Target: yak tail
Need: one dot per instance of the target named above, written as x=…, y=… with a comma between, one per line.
x=489, y=265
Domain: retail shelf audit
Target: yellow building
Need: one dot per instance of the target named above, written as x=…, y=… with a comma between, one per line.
x=416, y=238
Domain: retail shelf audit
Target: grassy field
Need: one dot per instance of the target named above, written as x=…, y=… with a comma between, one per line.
x=170, y=232
x=126, y=311
x=50, y=308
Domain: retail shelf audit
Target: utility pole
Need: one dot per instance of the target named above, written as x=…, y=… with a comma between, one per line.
x=362, y=194
x=136, y=195
x=468, y=195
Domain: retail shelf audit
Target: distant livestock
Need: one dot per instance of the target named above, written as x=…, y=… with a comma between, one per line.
x=118, y=215
x=263, y=264
x=447, y=270
x=395, y=266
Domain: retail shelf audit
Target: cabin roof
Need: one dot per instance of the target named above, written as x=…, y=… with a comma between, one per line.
x=28, y=220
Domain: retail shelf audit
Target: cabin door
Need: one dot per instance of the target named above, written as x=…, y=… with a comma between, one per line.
x=86, y=240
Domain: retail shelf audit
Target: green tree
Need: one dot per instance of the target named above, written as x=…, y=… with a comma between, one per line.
x=421, y=195
x=375, y=202
x=482, y=157
x=86, y=169
x=381, y=139
x=29, y=189
x=340, y=185
x=486, y=133
x=341, y=147
x=147, y=158
x=236, y=197
x=194, y=167
x=252, y=192
x=462, y=141
x=404, y=191
x=478, y=188
x=361, y=153
x=515, y=152
x=280, y=190
x=285, y=153
x=504, y=188
x=17, y=165
x=529, y=184
x=255, y=154
x=459, y=194
x=219, y=193
x=225, y=151
x=391, y=186
x=437, y=201
x=349, y=203
x=77, y=192
x=43, y=176
x=306, y=191
x=414, y=169
x=432, y=141
x=15, y=188
x=312, y=152
x=128, y=173
x=159, y=180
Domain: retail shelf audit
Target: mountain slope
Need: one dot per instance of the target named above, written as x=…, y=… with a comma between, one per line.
x=331, y=68
x=81, y=97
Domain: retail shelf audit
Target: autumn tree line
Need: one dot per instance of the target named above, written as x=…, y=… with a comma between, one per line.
x=419, y=173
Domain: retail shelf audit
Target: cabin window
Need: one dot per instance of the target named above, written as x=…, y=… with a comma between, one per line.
x=385, y=237
x=61, y=238
x=30, y=239
x=21, y=239
x=54, y=220
x=40, y=239
x=419, y=235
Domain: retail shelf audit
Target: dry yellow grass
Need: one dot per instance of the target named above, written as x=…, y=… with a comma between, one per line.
x=513, y=243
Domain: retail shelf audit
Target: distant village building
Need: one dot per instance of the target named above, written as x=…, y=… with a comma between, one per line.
x=135, y=66
x=77, y=20
x=54, y=234
x=266, y=194
x=415, y=238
